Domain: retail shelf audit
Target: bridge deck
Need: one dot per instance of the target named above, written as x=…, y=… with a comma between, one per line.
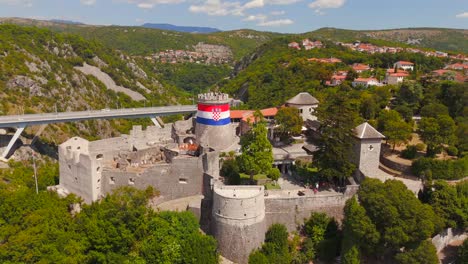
x=60, y=117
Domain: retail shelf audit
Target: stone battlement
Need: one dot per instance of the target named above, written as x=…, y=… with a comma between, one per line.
x=213, y=97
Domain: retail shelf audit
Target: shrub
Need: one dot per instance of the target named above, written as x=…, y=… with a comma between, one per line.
x=441, y=169
x=452, y=151
x=420, y=147
x=274, y=174
x=410, y=152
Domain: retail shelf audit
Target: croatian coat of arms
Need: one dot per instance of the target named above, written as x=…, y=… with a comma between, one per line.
x=216, y=114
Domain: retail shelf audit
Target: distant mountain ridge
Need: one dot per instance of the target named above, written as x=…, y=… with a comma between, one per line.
x=186, y=29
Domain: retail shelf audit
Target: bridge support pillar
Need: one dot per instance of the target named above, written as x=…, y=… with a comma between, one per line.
x=157, y=121
x=15, y=137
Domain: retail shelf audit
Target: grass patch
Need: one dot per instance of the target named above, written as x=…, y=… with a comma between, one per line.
x=257, y=177
x=270, y=186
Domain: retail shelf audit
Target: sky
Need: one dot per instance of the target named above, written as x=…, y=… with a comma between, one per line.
x=287, y=16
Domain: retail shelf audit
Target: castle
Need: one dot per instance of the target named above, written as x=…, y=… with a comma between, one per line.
x=182, y=160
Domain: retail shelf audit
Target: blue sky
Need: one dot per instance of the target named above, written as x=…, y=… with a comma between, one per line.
x=266, y=15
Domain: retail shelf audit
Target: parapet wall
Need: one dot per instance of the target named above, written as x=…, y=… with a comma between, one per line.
x=242, y=214
x=291, y=209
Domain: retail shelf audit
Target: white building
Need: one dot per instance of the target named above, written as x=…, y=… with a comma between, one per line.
x=366, y=82
x=306, y=104
x=405, y=65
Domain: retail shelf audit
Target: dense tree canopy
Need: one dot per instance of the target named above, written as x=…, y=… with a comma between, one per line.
x=121, y=228
x=338, y=119
x=388, y=218
x=257, y=155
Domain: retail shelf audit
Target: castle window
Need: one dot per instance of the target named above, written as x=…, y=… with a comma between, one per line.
x=371, y=147
x=112, y=180
x=98, y=169
x=131, y=181
x=183, y=180
x=99, y=156
x=69, y=166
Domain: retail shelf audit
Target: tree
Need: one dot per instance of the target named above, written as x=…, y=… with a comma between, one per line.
x=400, y=218
x=352, y=74
x=257, y=153
x=437, y=131
x=434, y=110
x=425, y=253
x=463, y=253
x=358, y=229
x=276, y=247
x=397, y=132
x=230, y=170
x=289, y=121
x=410, y=94
x=395, y=129
x=447, y=203
x=338, y=118
x=428, y=130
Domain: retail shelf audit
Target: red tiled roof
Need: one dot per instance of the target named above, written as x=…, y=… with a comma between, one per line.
x=405, y=62
x=338, y=77
x=269, y=111
x=235, y=114
x=359, y=66
x=365, y=80
x=398, y=71
x=399, y=74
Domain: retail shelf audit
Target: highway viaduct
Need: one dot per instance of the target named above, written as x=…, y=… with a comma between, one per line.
x=20, y=122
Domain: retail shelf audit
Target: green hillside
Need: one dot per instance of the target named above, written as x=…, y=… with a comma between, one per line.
x=278, y=72
x=455, y=40
x=144, y=41
x=38, y=74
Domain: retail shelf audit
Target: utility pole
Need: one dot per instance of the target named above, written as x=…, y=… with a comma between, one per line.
x=35, y=171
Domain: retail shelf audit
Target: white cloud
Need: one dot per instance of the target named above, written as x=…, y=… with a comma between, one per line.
x=254, y=4
x=462, y=15
x=258, y=17
x=27, y=3
x=148, y=4
x=275, y=23
x=277, y=13
x=318, y=5
x=88, y=2
x=218, y=8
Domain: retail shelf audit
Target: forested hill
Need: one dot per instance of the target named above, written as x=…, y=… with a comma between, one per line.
x=145, y=41
x=455, y=40
x=274, y=73
x=42, y=71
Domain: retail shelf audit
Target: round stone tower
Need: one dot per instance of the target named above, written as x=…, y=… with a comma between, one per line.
x=213, y=128
x=238, y=220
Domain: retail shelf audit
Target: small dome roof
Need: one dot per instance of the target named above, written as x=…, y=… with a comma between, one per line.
x=303, y=99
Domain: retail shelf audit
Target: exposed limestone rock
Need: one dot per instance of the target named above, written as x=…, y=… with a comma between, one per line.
x=100, y=63
x=143, y=87
x=32, y=66
x=137, y=70
x=108, y=82
x=24, y=82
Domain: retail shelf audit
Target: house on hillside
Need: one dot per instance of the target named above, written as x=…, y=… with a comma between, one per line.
x=294, y=45
x=457, y=66
x=395, y=76
x=359, y=67
x=405, y=65
x=366, y=82
x=306, y=104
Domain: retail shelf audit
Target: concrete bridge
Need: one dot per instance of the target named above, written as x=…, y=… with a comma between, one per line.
x=22, y=121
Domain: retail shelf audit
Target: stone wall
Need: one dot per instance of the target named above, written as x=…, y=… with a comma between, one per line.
x=180, y=178
x=291, y=209
x=395, y=165
x=238, y=220
x=446, y=237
